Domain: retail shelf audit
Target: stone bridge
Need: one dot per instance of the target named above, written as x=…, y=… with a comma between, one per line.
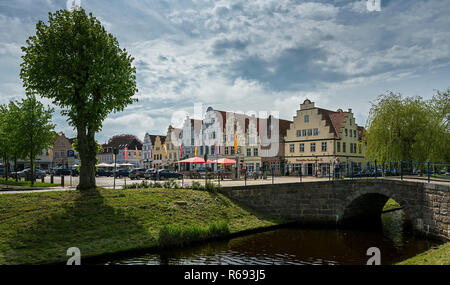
x=351, y=202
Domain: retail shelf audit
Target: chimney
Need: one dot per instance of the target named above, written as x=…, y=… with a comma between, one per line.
x=349, y=110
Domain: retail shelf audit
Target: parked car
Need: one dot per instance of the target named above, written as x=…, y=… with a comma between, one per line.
x=150, y=173
x=121, y=173
x=137, y=173
x=166, y=174
x=61, y=171
x=103, y=172
x=74, y=172
x=38, y=174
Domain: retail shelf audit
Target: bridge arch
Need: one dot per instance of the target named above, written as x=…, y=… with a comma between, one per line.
x=364, y=209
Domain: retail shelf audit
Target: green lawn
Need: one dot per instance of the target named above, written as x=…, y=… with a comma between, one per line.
x=435, y=256
x=390, y=205
x=40, y=227
x=13, y=182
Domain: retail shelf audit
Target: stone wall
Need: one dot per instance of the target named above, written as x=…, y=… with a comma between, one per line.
x=345, y=202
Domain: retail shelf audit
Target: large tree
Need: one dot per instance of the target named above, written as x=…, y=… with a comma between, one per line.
x=76, y=63
x=407, y=128
x=36, y=129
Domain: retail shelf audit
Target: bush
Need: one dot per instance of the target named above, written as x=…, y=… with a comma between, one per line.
x=171, y=184
x=176, y=236
x=196, y=186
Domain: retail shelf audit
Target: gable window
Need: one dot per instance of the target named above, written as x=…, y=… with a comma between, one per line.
x=249, y=152
x=226, y=150
x=299, y=133
x=316, y=132
x=255, y=152
x=310, y=132
x=306, y=119
x=304, y=133
x=346, y=132
x=354, y=133
x=351, y=133
x=344, y=147
x=338, y=146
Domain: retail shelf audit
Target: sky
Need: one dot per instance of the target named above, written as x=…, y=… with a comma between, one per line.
x=251, y=55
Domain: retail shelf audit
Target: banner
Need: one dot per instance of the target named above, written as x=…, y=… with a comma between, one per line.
x=137, y=153
x=125, y=153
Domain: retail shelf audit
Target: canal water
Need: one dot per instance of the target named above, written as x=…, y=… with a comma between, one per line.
x=297, y=245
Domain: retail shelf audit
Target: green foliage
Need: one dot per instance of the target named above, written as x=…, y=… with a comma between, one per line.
x=408, y=128
x=73, y=61
x=196, y=185
x=171, y=184
x=175, y=235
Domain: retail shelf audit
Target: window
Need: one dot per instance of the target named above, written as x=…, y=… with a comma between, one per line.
x=226, y=150
x=354, y=133
x=232, y=150
x=310, y=132
x=212, y=149
x=170, y=155
x=249, y=152
x=313, y=147
x=351, y=133
x=299, y=133
x=306, y=119
x=346, y=133
x=304, y=133
x=316, y=132
x=255, y=151
x=338, y=146
x=302, y=147
x=343, y=147
x=359, y=148
x=324, y=146
x=291, y=147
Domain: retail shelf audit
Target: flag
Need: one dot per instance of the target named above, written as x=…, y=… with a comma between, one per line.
x=114, y=157
x=125, y=153
x=195, y=151
x=181, y=151
x=235, y=142
x=137, y=153
x=49, y=154
x=165, y=150
x=151, y=153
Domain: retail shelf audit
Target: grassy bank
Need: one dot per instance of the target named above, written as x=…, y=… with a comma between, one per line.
x=434, y=256
x=40, y=227
x=390, y=205
x=13, y=182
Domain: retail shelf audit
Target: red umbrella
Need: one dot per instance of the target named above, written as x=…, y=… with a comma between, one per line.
x=225, y=161
x=192, y=160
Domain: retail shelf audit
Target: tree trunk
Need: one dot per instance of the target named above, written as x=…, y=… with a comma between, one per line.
x=87, y=150
x=15, y=168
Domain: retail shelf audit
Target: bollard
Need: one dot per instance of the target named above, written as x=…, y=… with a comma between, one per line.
x=245, y=178
x=401, y=170
x=329, y=172
x=300, y=174
x=376, y=169
x=43, y=179
x=62, y=180
x=428, y=171
x=182, y=180
x=70, y=180
x=51, y=179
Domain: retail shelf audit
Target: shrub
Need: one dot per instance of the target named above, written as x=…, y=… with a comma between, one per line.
x=196, y=186
x=171, y=184
x=176, y=235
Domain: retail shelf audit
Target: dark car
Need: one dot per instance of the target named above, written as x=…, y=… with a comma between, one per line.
x=121, y=173
x=166, y=174
x=38, y=174
x=74, y=172
x=137, y=173
x=103, y=172
x=61, y=171
x=150, y=173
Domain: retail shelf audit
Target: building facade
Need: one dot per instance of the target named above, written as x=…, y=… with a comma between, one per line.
x=129, y=151
x=320, y=140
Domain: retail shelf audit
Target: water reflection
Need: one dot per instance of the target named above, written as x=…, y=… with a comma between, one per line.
x=299, y=246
